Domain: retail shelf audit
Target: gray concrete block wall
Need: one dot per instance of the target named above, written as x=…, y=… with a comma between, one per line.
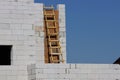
x=10, y=36
x=18, y=18
x=76, y=71
x=17, y=22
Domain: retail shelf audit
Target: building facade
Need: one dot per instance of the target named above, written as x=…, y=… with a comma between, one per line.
x=33, y=41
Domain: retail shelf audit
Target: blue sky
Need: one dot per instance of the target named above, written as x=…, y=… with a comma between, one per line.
x=93, y=30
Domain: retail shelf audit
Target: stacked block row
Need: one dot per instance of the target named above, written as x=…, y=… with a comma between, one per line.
x=76, y=72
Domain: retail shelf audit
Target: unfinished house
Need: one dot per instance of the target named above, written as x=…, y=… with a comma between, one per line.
x=33, y=45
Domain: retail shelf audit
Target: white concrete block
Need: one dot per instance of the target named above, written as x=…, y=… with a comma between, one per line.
x=29, y=32
x=3, y=77
x=62, y=29
x=15, y=26
x=17, y=32
x=3, y=11
x=5, y=31
x=51, y=71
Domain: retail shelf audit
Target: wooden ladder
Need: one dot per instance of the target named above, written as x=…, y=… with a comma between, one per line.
x=52, y=34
